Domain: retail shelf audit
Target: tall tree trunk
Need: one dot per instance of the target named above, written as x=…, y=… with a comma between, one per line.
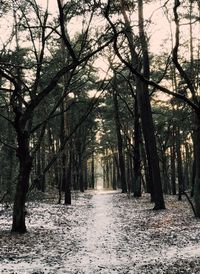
x=114, y=179
x=85, y=170
x=145, y=106
x=147, y=181
x=151, y=149
x=63, y=156
x=147, y=119
x=25, y=165
x=68, y=200
x=119, y=141
x=173, y=168
x=179, y=165
x=166, y=183
x=197, y=165
x=137, y=160
x=187, y=166
x=92, y=172
x=65, y=126
x=194, y=162
x=80, y=170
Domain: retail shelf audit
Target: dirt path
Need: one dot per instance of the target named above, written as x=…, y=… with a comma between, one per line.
x=103, y=232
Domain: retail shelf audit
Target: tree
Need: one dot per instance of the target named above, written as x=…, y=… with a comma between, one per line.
x=143, y=101
x=119, y=138
x=22, y=79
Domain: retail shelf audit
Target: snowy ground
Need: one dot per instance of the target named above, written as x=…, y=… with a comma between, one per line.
x=105, y=233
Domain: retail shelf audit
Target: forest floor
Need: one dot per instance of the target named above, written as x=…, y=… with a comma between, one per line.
x=102, y=232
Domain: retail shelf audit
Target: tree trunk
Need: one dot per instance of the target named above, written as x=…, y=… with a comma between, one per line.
x=25, y=165
x=147, y=119
x=119, y=143
x=179, y=165
x=147, y=181
x=173, y=169
x=85, y=170
x=150, y=144
x=197, y=165
x=80, y=176
x=144, y=105
x=92, y=172
x=166, y=183
x=114, y=179
x=137, y=168
x=68, y=183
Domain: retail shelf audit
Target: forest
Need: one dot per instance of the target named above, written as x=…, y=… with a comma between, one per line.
x=100, y=130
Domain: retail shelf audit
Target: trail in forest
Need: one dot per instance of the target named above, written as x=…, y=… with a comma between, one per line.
x=100, y=244
x=103, y=232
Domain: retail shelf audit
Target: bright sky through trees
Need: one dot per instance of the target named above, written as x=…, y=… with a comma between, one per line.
x=158, y=27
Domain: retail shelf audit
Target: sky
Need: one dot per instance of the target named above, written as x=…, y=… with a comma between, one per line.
x=158, y=30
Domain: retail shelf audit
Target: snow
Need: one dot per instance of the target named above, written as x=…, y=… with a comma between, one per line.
x=102, y=232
